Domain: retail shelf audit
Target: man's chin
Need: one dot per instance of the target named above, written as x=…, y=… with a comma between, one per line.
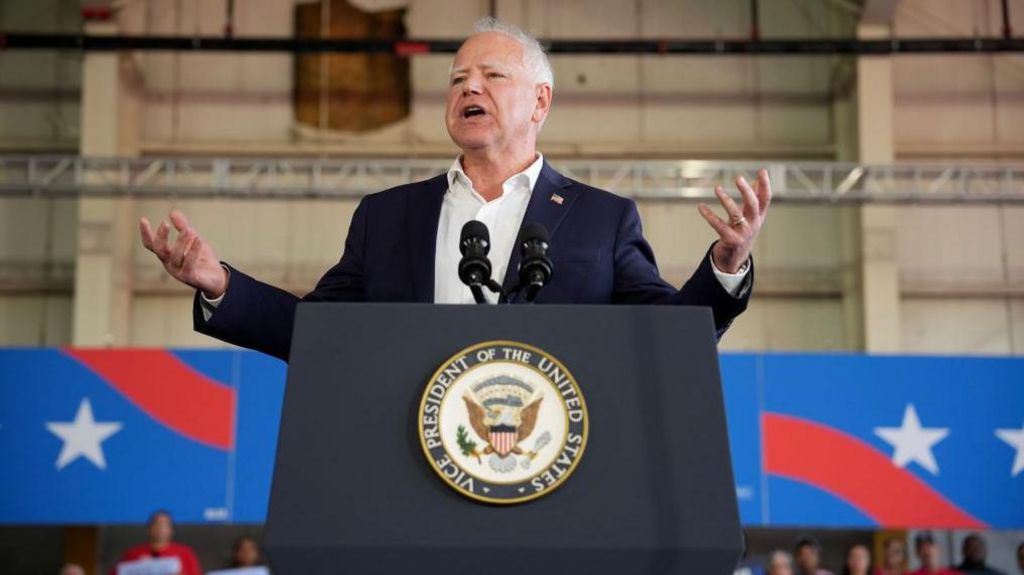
x=471, y=144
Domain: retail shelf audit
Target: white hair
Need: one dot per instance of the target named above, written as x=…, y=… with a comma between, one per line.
x=533, y=53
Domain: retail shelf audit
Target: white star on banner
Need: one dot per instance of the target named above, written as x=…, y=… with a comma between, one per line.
x=83, y=437
x=1014, y=437
x=912, y=442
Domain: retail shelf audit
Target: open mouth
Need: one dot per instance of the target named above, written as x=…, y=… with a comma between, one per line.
x=472, y=112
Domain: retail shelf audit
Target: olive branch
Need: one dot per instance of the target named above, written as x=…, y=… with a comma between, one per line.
x=467, y=445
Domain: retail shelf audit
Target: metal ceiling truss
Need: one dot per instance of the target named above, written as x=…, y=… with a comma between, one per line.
x=413, y=47
x=686, y=180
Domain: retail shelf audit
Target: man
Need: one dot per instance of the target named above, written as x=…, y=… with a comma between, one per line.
x=928, y=554
x=1020, y=558
x=975, y=554
x=402, y=244
x=161, y=545
x=807, y=552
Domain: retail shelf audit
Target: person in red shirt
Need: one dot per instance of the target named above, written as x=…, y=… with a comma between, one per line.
x=161, y=533
x=928, y=554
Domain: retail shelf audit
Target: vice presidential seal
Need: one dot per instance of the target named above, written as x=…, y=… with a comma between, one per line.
x=503, y=422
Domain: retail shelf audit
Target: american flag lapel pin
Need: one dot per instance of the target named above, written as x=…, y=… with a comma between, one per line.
x=557, y=199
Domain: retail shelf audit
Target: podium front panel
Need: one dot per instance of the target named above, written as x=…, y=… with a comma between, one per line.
x=354, y=493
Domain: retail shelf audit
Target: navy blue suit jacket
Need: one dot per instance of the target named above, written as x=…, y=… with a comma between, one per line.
x=597, y=247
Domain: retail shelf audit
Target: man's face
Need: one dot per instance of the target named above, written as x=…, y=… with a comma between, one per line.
x=974, y=550
x=807, y=558
x=248, y=554
x=493, y=99
x=928, y=553
x=859, y=559
x=160, y=529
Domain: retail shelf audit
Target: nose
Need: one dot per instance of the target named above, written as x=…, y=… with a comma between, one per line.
x=471, y=85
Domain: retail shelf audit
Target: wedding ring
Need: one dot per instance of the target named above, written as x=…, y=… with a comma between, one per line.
x=737, y=221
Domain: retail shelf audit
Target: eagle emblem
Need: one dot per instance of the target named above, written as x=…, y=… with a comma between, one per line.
x=503, y=413
x=503, y=422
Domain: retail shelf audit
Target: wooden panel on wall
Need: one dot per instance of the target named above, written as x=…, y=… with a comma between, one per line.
x=364, y=91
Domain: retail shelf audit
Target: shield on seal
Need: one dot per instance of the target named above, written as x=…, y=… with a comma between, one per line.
x=503, y=439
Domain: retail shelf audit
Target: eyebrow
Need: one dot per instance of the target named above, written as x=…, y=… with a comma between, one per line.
x=484, y=66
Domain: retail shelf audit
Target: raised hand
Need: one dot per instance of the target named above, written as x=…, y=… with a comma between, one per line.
x=737, y=235
x=190, y=260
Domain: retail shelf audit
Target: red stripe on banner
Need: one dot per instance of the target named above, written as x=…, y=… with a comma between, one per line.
x=169, y=391
x=857, y=473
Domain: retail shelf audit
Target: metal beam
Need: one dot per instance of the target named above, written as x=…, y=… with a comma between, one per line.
x=684, y=180
x=414, y=47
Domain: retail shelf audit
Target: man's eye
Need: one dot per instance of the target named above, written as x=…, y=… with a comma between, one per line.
x=495, y=75
x=457, y=80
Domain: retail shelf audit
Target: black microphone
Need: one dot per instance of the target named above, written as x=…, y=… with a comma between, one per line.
x=474, y=267
x=534, y=264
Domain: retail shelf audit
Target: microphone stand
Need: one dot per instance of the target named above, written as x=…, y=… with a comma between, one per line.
x=478, y=291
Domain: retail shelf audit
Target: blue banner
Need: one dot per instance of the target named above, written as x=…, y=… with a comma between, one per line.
x=107, y=436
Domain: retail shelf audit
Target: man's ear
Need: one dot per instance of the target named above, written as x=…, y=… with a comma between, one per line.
x=540, y=112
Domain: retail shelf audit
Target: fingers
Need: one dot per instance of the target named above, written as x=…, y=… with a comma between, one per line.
x=155, y=243
x=191, y=256
x=147, y=234
x=730, y=206
x=158, y=244
x=181, y=247
x=716, y=222
x=751, y=205
x=179, y=220
x=764, y=191
x=162, y=233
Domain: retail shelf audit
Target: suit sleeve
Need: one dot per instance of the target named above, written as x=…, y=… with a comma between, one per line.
x=259, y=316
x=637, y=280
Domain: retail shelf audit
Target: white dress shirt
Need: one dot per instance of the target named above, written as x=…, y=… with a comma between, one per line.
x=503, y=217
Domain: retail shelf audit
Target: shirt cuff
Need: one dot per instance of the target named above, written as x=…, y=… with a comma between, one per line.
x=210, y=305
x=735, y=284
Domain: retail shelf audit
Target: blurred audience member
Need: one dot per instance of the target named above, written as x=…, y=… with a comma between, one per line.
x=72, y=569
x=894, y=560
x=858, y=560
x=1020, y=558
x=246, y=552
x=928, y=554
x=808, y=556
x=975, y=553
x=161, y=533
x=780, y=563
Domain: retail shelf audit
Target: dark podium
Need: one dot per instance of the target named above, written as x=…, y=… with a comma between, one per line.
x=354, y=493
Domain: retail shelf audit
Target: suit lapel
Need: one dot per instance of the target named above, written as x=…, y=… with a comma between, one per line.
x=550, y=201
x=424, y=214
